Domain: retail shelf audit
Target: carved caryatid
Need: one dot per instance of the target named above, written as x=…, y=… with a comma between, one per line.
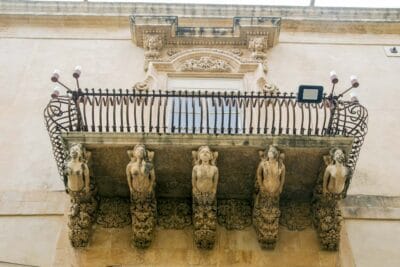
x=141, y=180
x=270, y=179
x=204, y=189
x=258, y=46
x=82, y=192
x=330, y=188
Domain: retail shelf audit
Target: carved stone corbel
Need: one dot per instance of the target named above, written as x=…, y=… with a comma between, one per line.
x=204, y=190
x=152, y=43
x=269, y=184
x=82, y=191
x=141, y=180
x=258, y=45
x=329, y=190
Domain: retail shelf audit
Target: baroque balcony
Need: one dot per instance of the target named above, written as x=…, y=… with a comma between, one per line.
x=237, y=125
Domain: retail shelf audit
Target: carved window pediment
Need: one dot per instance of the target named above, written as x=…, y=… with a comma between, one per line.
x=238, y=51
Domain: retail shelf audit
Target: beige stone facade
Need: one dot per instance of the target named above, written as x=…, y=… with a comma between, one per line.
x=35, y=38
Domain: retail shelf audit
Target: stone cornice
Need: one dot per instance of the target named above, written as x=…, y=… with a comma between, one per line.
x=239, y=33
x=197, y=10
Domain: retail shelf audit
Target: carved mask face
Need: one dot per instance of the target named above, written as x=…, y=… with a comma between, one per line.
x=339, y=156
x=205, y=155
x=139, y=152
x=153, y=42
x=75, y=152
x=272, y=153
x=259, y=44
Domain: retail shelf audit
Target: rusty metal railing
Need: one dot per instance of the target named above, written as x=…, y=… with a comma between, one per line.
x=202, y=112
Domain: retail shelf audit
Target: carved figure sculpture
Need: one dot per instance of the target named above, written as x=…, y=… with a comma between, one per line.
x=329, y=189
x=270, y=179
x=335, y=173
x=141, y=180
x=204, y=190
x=257, y=46
x=82, y=192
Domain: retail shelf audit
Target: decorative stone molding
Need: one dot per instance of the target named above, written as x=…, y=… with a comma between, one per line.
x=329, y=190
x=269, y=184
x=154, y=33
x=205, y=64
x=236, y=35
x=83, y=193
x=204, y=190
x=209, y=62
x=141, y=180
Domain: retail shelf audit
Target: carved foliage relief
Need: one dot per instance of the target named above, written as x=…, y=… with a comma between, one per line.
x=205, y=64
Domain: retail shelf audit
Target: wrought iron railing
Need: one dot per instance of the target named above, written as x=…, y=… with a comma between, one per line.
x=189, y=112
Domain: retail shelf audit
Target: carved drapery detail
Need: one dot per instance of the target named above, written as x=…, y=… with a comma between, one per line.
x=83, y=193
x=205, y=64
x=328, y=191
x=204, y=189
x=141, y=181
x=269, y=184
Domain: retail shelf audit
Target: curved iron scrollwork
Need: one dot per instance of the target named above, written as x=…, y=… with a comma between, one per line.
x=190, y=112
x=61, y=116
x=350, y=119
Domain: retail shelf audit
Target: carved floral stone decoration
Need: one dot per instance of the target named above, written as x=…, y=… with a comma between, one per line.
x=141, y=180
x=204, y=189
x=328, y=191
x=269, y=184
x=83, y=196
x=205, y=64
